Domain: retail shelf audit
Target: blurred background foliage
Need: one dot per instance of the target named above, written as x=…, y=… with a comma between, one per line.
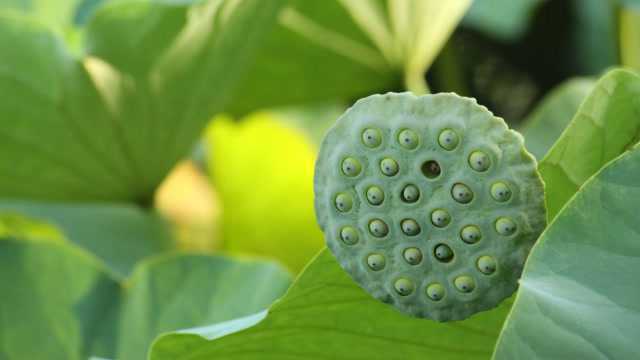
x=223, y=106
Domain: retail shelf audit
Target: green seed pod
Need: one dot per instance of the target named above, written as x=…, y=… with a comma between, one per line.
x=486, y=264
x=410, y=194
x=378, y=228
x=435, y=291
x=412, y=255
x=375, y=195
x=349, y=235
x=465, y=247
x=470, y=234
x=448, y=139
x=505, y=226
x=410, y=227
x=440, y=218
x=461, y=193
x=376, y=262
x=344, y=202
x=404, y=286
x=408, y=139
x=500, y=192
x=372, y=138
x=351, y=167
x=389, y=167
x=465, y=284
x=479, y=161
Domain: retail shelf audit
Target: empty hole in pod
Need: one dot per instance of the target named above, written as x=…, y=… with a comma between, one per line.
x=470, y=234
x=378, y=228
x=349, y=235
x=500, y=191
x=506, y=226
x=464, y=283
x=461, y=193
x=404, y=286
x=351, y=167
x=375, y=195
x=435, y=291
x=448, y=139
x=371, y=137
x=479, y=161
x=443, y=253
x=376, y=262
x=412, y=255
x=486, y=264
x=440, y=218
x=410, y=194
x=344, y=202
x=431, y=169
x=408, y=139
x=410, y=227
x=389, y=167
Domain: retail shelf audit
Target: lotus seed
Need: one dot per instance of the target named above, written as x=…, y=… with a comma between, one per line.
x=431, y=169
x=412, y=255
x=378, y=228
x=376, y=262
x=349, y=235
x=408, y=139
x=344, y=202
x=371, y=138
x=435, y=291
x=410, y=194
x=389, y=167
x=486, y=264
x=470, y=234
x=448, y=139
x=464, y=284
x=351, y=167
x=404, y=286
x=375, y=195
x=479, y=161
x=440, y=218
x=500, y=192
x=461, y=193
x=410, y=227
x=505, y=226
x=443, y=253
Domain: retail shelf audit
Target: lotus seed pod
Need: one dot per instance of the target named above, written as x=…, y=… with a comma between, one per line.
x=344, y=202
x=410, y=227
x=389, y=167
x=500, y=192
x=440, y=218
x=349, y=235
x=378, y=228
x=351, y=167
x=408, y=139
x=435, y=292
x=410, y=194
x=375, y=195
x=456, y=206
x=448, y=139
x=372, y=138
x=461, y=193
x=412, y=255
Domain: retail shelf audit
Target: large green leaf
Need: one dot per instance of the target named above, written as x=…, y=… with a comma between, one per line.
x=111, y=125
x=578, y=296
x=63, y=299
x=325, y=315
x=120, y=235
x=606, y=124
x=341, y=49
x=545, y=124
